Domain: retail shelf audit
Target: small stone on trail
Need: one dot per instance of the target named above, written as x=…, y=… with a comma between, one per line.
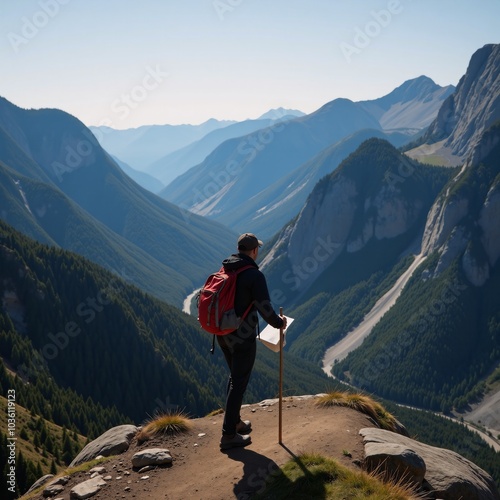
x=146, y=469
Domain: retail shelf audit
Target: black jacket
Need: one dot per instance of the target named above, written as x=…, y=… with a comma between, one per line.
x=251, y=286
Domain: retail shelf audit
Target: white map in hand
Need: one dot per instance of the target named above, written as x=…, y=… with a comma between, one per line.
x=270, y=336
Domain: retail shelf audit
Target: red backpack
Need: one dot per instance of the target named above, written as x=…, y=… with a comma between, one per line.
x=216, y=302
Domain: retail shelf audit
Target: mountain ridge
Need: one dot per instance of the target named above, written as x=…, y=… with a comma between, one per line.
x=263, y=155
x=412, y=105
x=63, y=157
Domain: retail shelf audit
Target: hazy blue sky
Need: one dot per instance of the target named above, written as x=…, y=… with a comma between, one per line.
x=128, y=63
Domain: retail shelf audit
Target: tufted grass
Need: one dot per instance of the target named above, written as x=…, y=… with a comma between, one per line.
x=362, y=403
x=312, y=475
x=213, y=413
x=171, y=423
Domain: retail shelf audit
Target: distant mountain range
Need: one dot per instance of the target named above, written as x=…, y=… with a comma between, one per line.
x=177, y=163
x=166, y=151
x=139, y=147
x=243, y=178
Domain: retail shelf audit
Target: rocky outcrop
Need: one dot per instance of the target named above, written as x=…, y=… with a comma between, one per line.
x=314, y=238
x=463, y=222
x=474, y=106
x=441, y=473
x=115, y=440
x=374, y=195
x=442, y=219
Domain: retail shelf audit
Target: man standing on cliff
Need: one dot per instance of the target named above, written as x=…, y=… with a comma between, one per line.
x=239, y=347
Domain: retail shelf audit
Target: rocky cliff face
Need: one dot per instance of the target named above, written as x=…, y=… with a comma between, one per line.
x=363, y=201
x=464, y=220
x=474, y=106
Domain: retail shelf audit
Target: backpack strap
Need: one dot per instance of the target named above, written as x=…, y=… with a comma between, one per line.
x=247, y=310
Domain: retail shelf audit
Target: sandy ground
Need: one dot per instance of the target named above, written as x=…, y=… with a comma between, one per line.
x=201, y=471
x=486, y=414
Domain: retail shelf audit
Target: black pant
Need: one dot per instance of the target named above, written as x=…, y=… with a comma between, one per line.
x=240, y=358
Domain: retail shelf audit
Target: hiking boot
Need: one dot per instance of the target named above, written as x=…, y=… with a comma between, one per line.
x=243, y=427
x=235, y=441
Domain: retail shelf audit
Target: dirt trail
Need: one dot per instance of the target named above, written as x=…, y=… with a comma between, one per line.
x=201, y=471
x=355, y=337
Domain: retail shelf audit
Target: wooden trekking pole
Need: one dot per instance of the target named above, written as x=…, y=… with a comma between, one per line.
x=280, y=440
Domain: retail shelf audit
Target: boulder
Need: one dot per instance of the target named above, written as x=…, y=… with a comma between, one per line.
x=398, y=462
x=114, y=441
x=448, y=475
x=87, y=489
x=151, y=456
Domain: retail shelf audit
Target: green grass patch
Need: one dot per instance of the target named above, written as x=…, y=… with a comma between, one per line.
x=315, y=476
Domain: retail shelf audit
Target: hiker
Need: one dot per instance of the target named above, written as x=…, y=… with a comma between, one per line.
x=239, y=347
